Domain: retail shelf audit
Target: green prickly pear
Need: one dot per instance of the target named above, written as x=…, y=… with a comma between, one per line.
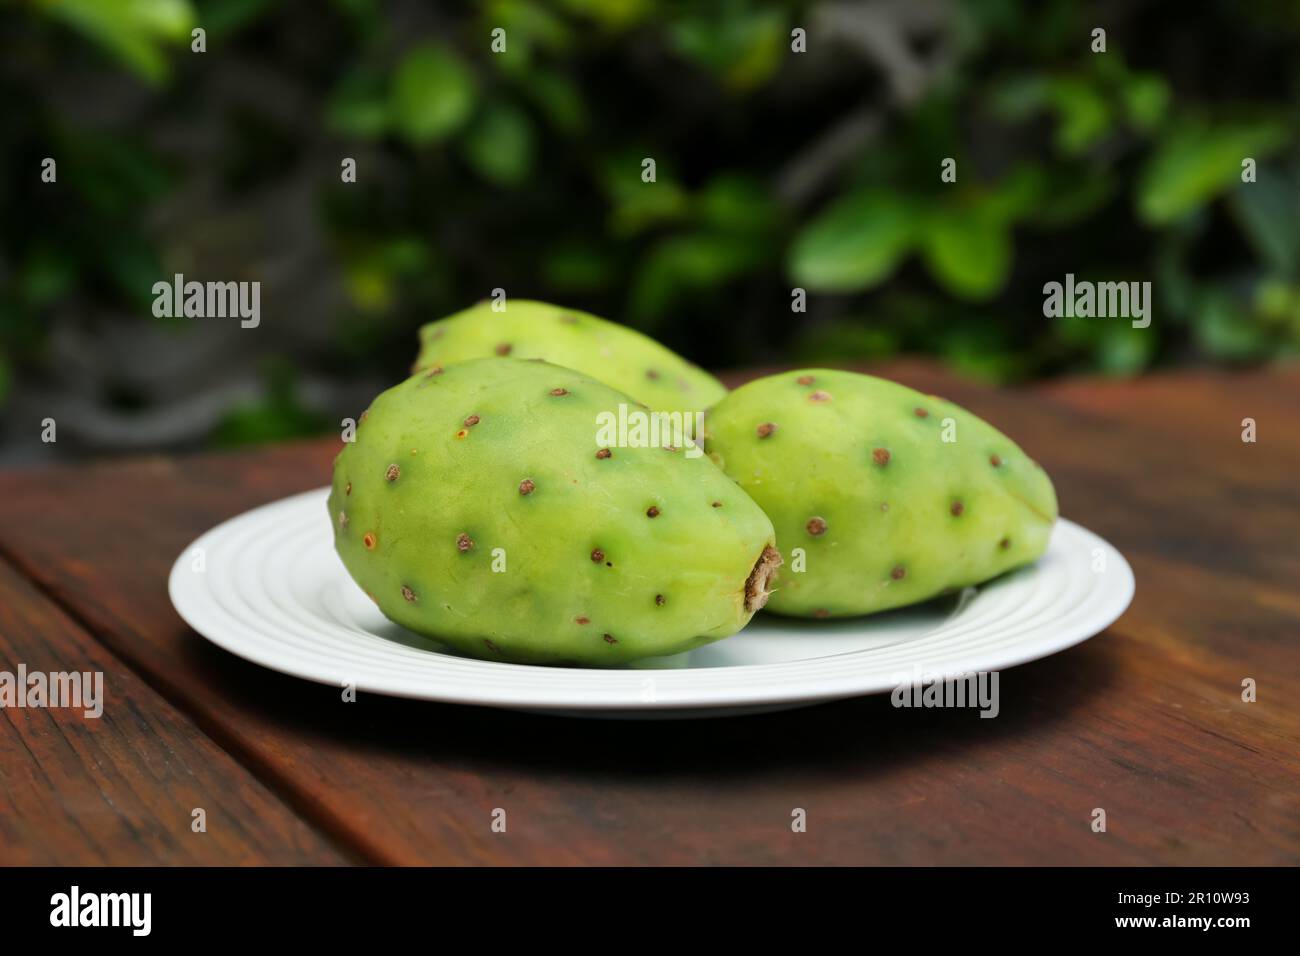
x=608, y=352
x=478, y=505
x=880, y=496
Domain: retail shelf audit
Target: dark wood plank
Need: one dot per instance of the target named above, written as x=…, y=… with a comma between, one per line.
x=1145, y=721
x=121, y=788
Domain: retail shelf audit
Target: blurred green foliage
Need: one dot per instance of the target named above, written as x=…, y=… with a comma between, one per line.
x=521, y=169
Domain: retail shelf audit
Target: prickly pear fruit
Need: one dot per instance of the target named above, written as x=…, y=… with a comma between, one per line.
x=893, y=496
x=477, y=505
x=608, y=352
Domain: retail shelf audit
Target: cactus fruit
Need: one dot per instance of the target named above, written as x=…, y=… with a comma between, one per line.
x=893, y=496
x=477, y=506
x=608, y=352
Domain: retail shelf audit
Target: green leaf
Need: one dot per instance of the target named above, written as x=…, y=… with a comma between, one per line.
x=579, y=267
x=1227, y=332
x=1146, y=99
x=1197, y=163
x=358, y=107
x=44, y=278
x=638, y=205
x=499, y=145
x=432, y=94
x=1015, y=99
x=558, y=98
x=1084, y=115
x=1277, y=301
x=529, y=24
x=131, y=262
x=695, y=261
x=132, y=30
x=277, y=416
x=373, y=271
x=1018, y=195
x=855, y=244
x=1071, y=194
x=1124, y=350
x=1114, y=345
x=736, y=202
x=744, y=49
x=613, y=15
x=968, y=253
x=977, y=347
x=1267, y=212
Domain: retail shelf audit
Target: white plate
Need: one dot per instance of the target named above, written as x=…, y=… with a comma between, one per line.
x=268, y=587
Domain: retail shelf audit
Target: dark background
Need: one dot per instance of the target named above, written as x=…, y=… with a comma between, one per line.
x=522, y=171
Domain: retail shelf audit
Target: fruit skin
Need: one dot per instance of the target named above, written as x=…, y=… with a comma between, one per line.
x=611, y=353
x=854, y=470
x=502, y=454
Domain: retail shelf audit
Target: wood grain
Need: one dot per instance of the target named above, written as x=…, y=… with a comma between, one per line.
x=1145, y=721
x=120, y=788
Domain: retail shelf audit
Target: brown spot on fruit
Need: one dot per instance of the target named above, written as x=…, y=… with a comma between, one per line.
x=609, y=638
x=805, y=380
x=436, y=370
x=463, y=433
x=343, y=519
x=652, y=512
x=821, y=612
x=527, y=486
x=464, y=542
x=348, y=489
x=898, y=573
x=1004, y=543
x=659, y=600
x=920, y=413
x=597, y=555
x=472, y=421
x=766, y=429
x=568, y=319
x=816, y=526
x=489, y=645
x=364, y=416
x=504, y=348
x=393, y=473
x=369, y=540
x=717, y=504
x=557, y=392
x=995, y=461
x=819, y=396
x=651, y=374
x=408, y=594
x=880, y=456
x=583, y=619
x=957, y=508
x=758, y=584
x=603, y=453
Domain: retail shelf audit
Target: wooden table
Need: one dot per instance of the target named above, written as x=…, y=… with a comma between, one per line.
x=1146, y=721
